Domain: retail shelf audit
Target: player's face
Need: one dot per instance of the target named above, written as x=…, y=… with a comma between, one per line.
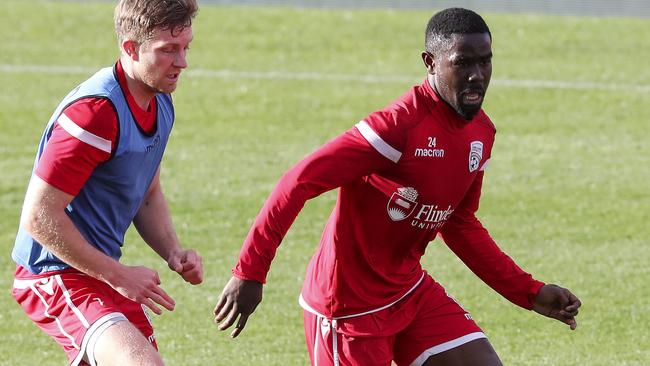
x=162, y=59
x=461, y=73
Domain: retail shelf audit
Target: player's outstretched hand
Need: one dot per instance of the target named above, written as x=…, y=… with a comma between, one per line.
x=558, y=303
x=142, y=285
x=188, y=264
x=238, y=299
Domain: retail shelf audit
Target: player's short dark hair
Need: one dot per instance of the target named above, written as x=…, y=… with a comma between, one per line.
x=445, y=23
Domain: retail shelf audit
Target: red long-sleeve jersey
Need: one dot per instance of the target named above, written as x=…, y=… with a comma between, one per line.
x=406, y=173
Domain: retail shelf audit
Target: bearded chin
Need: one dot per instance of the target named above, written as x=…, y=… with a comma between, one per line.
x=467, y=112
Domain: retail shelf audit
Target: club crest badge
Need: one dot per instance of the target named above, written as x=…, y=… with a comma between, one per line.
x=475, y=155
x=402, y=203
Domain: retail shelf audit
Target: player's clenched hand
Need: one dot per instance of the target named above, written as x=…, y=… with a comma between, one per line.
x=558, y=303
x=142, y=285
x=188, y=264
x=239, y=298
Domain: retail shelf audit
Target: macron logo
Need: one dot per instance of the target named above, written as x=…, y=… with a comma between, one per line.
x=151, y=146
x=430, y=153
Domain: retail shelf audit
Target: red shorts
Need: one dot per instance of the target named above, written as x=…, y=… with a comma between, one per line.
x=74, y=309
x=424, y=323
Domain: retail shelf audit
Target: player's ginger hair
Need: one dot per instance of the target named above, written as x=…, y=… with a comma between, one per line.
x=137, y=19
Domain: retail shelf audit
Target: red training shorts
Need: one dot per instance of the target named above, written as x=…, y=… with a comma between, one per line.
x=74, y=309
x=424, y=323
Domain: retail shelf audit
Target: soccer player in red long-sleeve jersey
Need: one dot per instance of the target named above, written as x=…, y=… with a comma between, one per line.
x=406, y=173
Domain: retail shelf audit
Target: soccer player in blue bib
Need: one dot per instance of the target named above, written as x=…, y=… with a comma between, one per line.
x=97, y=170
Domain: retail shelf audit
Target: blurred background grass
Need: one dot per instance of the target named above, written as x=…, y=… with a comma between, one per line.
x=566, y=194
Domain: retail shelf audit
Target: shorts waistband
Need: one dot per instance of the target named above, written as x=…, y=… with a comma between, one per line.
x=22, y=284
x=308, y=308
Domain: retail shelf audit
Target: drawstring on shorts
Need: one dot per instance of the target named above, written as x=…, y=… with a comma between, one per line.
x=326, y=326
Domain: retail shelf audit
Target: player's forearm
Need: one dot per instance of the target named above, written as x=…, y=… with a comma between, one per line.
x=54, y=230
x=45, y=219
x=474, y=246
x=270, y=226
x=154, y=224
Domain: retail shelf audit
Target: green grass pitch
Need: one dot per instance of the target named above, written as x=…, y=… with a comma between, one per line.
x=566, y=194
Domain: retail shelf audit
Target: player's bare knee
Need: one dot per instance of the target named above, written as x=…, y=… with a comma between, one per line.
x=478, y=352
x=123, y=344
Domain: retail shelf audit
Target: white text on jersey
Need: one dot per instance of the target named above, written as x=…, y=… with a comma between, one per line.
x=431, y=150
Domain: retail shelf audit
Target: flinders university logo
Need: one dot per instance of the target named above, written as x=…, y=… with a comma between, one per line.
x=475, y=155
x=402, y=203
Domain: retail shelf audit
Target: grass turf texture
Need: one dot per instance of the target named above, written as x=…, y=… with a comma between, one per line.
x=566, y=194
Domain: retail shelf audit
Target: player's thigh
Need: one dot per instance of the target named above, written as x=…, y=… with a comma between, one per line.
x=328, y=344
x=70, y=307
x=440, y=325
x=478, y=352
x=123, y=344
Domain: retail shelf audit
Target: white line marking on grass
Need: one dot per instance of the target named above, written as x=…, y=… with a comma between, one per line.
x=288, y=75
x=571, y=85
x=45, y=69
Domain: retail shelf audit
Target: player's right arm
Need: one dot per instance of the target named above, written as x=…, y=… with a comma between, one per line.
x=65, y=165
x=339, y=162
x=44, y=218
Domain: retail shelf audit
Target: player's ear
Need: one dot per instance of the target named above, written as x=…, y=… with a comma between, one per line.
x=130, y=48
x=429, y=62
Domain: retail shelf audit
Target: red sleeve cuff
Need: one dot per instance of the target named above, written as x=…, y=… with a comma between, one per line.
x=242, y=276
x=532, y=293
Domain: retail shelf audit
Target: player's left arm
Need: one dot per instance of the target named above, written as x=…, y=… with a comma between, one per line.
x=471, y=242
x=154, y=224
